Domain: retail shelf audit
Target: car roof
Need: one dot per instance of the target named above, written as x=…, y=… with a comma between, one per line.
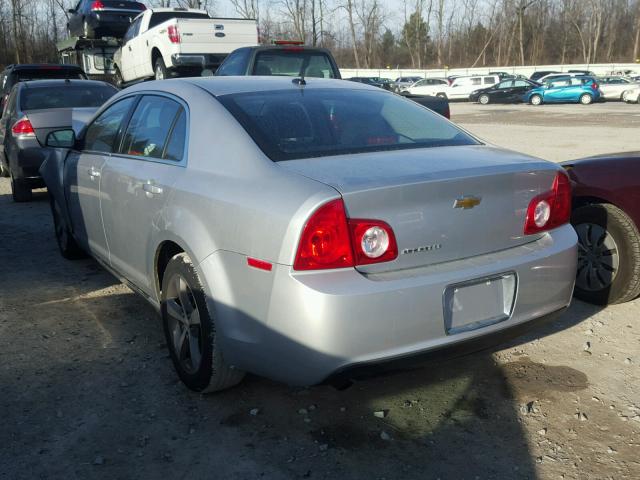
x=219, y=86
x=57, y=82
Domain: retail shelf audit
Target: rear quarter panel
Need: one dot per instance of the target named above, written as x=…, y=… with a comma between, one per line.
x=613, y=180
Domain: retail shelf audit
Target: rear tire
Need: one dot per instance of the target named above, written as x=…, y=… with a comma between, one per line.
x=484, y=99
x=190, y=330
x=605, y=232
x=535, y=100
x=117, y=78
x=67, y=245
x=20, y=190
x=160, y=69
x=586, y=99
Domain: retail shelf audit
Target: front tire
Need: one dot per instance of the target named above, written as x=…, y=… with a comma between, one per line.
x=190, y=330
x=586, y=99
x=535, y=100
x=608, y=255
x=484, y=99
x=160, y=69
x=20, y=190
x=67, y=245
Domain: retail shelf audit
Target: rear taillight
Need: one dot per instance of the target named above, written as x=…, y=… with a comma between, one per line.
x=23, y=128
x=330, y=240
x=174, y=34
x=97, y=5
x=551, y=209
x=594, y=86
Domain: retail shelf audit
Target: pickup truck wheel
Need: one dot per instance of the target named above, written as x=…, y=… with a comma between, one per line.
x=20, y=190
x=117, y=79
x=190, y=330
x=160, y=69
x=67, y=245
x=608, y=255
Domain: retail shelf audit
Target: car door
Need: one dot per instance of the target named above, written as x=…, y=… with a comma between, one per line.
x=517, y=91
x=83, y=170
x=556, y=91
x=129, y=49
x=137, y=181
x=502, y=92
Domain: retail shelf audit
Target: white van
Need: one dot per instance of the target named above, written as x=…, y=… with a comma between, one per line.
x=460, y=88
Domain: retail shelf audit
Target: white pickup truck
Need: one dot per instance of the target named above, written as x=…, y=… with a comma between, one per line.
x=165, y=42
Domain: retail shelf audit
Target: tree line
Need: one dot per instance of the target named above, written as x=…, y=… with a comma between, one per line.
x=388, y=33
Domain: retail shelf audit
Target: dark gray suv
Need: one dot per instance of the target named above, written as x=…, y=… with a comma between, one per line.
x=34, y=109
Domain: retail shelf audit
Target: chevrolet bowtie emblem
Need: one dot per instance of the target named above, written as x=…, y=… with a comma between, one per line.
x=467, y=202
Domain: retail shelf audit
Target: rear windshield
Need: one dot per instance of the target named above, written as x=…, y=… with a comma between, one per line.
x=48, y=74
x=161, y=17
x=40, y=98
x=294, y=124
x=293, y=62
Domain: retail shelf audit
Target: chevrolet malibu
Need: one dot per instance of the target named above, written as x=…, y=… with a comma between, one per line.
x=307, y=230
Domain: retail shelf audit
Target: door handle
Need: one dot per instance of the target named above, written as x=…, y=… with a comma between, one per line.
x=151, y=189
x=93, y=173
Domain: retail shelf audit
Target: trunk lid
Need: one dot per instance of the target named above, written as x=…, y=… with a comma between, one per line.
x=215, y=35
x=51, y=119
x=414, y=191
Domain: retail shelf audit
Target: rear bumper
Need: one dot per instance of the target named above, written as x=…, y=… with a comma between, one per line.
x=303, y=327
x=196, y=60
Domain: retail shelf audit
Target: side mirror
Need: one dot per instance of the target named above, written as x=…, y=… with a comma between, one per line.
x=61, y=139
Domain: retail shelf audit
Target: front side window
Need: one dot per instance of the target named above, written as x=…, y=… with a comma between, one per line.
x=101, y=135
x=175, y=146
x=294, y=124
x=150, y=126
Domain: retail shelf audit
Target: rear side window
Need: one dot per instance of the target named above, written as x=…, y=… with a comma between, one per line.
x=150, y=126
x=476, y=81
x=489, y=80
x=100, y=136
x=293, y=124
x=175, y=147
x=235, y=64
x=71, y=96
x=293, y=62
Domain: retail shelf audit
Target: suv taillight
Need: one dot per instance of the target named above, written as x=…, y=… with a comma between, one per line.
x=330, y=240
x=97, y=5
x=174, y=34
x=23, y=128
x=551, y=209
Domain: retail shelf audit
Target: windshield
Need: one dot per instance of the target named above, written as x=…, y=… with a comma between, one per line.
x=46, y=74
x=68, y=96
x=293, y=62
x=294, y=124
x=160, y=17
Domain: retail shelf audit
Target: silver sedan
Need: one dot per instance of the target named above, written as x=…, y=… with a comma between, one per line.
x=310, y=230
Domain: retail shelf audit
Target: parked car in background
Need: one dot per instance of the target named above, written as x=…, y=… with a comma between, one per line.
x=587, y=73
x=584, y=90
x=373, y=81
x=536, y=76
x=283, y=58
x=426, y=84
x=460, y=88
x=34, y=109
x=555, y=76
x=606, y=216
x=167, y=42
x=403, y=82
x=13, y=74
x=327, y=209
x=507, y=91
x=437, y=104
x=614, y=88
x=102, y=18
x=632, y=95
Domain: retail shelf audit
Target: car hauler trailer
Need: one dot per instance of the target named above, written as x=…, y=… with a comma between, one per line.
x=95, y=57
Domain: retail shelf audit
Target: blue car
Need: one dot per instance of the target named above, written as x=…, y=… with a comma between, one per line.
x=578, y=89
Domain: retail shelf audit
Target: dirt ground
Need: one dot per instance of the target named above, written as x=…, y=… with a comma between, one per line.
x=87, y=389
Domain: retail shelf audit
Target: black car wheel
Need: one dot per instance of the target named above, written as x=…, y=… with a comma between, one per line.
x=190, y=330
x=484, y=99
x=608, y=255
x=20, y=190
x=69, y=249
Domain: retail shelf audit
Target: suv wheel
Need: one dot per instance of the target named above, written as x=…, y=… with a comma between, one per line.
x=20, y=190
x=535, y=100
x=190, y=330
x=586, y=99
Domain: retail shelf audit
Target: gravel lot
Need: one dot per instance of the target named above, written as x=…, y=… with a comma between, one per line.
x=88, y=391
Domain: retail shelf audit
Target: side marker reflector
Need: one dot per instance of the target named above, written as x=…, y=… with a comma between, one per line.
x=259, y=264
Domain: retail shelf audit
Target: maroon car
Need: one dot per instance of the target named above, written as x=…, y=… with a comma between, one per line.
x=606, y=216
